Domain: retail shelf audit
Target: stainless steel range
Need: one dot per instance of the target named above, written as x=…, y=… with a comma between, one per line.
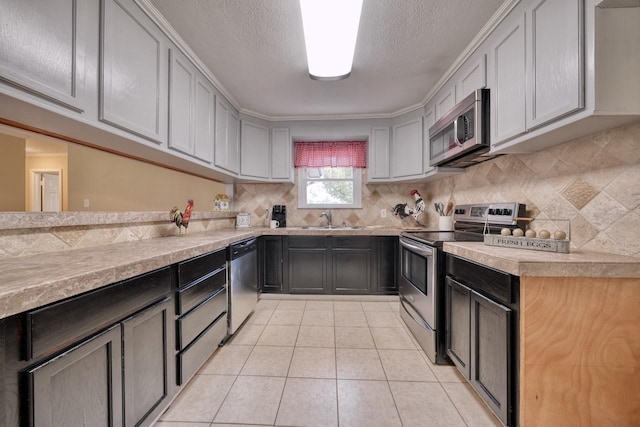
x=422, y=269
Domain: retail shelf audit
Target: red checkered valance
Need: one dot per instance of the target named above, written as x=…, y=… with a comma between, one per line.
x=319, y=154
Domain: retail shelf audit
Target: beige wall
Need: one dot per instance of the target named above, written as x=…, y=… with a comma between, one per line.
x=115, y=183
x=12, y=171
x=57, y=162
x=594, y=182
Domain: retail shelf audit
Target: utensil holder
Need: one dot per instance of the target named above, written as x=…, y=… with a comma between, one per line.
x=445, y=223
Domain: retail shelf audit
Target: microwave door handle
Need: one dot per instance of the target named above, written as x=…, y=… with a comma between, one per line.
x=457, y=138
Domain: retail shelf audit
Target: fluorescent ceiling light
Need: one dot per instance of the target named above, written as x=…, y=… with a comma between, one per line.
x=330, y=33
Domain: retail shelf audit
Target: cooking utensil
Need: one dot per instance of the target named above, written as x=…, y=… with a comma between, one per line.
x=448, y=209
x=440, y=208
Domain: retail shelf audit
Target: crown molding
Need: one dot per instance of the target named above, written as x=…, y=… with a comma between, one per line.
x=173, y=35
x=482, y=35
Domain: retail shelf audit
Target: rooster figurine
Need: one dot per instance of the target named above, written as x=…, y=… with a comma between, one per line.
x=403, y=211
x=181, y=219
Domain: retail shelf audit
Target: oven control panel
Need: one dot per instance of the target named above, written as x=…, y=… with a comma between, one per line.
x=492, y=213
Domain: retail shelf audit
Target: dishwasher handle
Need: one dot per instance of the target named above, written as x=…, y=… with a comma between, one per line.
x=238, y=249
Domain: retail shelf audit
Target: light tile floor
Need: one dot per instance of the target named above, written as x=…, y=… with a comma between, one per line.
x=325, y=363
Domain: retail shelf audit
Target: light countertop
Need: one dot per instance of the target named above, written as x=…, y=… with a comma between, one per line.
x=522, y=262
x=28, y=282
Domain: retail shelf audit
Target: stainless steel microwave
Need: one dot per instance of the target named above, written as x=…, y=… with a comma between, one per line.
x=461, y=137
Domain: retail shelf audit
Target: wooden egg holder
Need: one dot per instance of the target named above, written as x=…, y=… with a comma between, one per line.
x=531, y=243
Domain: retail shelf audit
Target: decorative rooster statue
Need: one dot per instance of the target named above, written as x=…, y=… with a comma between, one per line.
x=403, y=211
x=181, y=219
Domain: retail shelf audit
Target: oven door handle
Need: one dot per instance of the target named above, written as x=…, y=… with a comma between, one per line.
x=423, y=250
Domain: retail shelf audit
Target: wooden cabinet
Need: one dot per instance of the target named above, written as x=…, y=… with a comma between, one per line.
x=227, y=142
x=407, y=154
x=281, y=155
x=555, y=60
x=378, y=167
x=42, y=49
x=507, y=65
x=191, y=109
x=271, y=263
x=446, y=100
x=458, y=323
x=133, y=71
x=254, y=150
x=82, y=386
x=148, y=369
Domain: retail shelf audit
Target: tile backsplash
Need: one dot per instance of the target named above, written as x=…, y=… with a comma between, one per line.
x=593, y=181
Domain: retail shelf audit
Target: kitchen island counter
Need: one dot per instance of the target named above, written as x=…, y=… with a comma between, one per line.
x=522, y=262
x=32, y=281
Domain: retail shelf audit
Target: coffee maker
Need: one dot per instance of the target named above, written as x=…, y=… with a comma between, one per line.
x=279, y=213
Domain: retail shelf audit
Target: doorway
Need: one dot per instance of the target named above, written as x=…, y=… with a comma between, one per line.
x=46, y=190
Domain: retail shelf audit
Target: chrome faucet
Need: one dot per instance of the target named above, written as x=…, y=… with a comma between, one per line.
x=328, y=216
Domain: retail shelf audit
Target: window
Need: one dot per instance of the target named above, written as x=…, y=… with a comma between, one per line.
x=327, y=187
x=329, y=174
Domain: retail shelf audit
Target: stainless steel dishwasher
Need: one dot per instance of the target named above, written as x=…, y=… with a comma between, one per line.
x=243, y=282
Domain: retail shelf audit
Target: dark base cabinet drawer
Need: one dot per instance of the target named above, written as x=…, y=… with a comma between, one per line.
x=190, y=296
x=191, y=324
x=191, y=358
x=197, y=267
x=59, y=325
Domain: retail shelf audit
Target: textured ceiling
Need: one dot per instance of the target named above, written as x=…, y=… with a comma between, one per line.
x=256, y=51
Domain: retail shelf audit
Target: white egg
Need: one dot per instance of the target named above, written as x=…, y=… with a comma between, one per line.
x=530, y=233
x=518, y=232
x=505, y=232
x=559, y=235
x=544, y=234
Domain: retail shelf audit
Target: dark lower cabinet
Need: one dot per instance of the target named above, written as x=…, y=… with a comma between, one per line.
x=385, y=263
x=491, y=353
x=80, y=387
x=481, y=331
x=271, y=264
x=148, y=368
x=458, y=325
x=308, y=271
x=357, y=265
x=351, y=265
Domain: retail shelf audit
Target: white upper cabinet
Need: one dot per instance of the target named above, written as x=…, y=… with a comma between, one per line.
x=555, y=60
x=205, y=102
x=445, y=100
x=407, y=154
x=378, y=167
x=472, y=76
x=281, y=155
x=226, y=147
x=182, y=77
x=508, y=86
x=42, y=49
x=191, y=109
x=133, y=78
x=255, y=153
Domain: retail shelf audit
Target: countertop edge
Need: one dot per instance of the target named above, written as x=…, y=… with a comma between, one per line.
x=526, y=263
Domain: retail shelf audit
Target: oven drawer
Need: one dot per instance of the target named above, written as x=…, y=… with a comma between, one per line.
x=424, y=305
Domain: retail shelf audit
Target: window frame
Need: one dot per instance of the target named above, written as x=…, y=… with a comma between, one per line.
x=302, y=191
